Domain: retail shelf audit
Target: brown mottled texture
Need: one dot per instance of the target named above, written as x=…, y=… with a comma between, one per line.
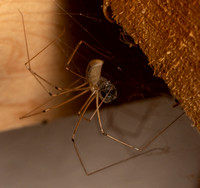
x=168, y=32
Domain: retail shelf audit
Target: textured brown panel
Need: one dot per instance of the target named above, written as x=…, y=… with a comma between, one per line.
x=169, y=34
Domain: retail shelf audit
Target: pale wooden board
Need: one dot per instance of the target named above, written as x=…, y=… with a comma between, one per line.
x=20, y=92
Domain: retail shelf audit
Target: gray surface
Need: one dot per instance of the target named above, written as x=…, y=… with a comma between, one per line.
x=43, y=156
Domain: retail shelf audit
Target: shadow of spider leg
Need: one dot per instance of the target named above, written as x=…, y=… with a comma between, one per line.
x=144, y=147
x=96, y=95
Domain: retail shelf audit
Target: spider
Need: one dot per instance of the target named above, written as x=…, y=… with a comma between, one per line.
x=98, y=86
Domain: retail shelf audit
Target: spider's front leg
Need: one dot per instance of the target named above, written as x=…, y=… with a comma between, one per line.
x=39, y=78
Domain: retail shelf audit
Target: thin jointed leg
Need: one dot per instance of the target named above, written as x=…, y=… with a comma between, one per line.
x=53, y=107
x=131, y=146
x=105, y=134
x=28, y=63
x=86, y=105
x=109, y=136
x=75, y=51
x=82, y=114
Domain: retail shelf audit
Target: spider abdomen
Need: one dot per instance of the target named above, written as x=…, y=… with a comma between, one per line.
x=93, y=71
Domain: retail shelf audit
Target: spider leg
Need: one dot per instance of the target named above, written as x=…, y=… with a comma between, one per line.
x=85, y=107
x=104, y=133
x=78, y=88
x=53, y=107
x=86, y=102
x=92, y=97
x=75, y=51
x=126, y=144
x=28, y=63
x=99, y=105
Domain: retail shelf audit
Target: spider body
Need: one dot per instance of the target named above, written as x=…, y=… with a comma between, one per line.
x=93, y=73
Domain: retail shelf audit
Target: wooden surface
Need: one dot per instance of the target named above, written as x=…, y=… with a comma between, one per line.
x=20, y=92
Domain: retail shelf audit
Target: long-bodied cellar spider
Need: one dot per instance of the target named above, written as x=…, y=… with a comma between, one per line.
x=100, y=88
